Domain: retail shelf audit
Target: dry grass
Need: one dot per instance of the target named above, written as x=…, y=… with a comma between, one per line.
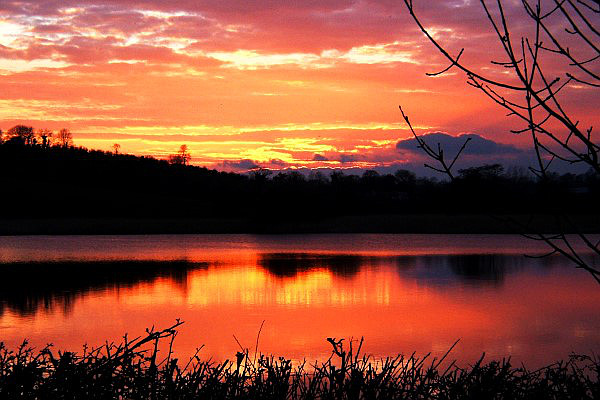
x=133, y=370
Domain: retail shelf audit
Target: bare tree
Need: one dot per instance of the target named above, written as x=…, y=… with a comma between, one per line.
x=65, y=138
x=182, y=157
x=45, y=136
x=260, y=174
x=116, y=147
x=540, y=66
x=556, y=50
x=23, y=133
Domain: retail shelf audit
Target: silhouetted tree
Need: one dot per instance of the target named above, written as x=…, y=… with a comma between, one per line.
x=557, y=46
x=88, y=181
x=317, y=176
x=370, y=174
x=184, y=154
x=290, y=178
x=405, y=177
x=116, y=147
x=45, y=137
x=23, y=133
x=182, y=157
x=65, y=138
x=485, y=172
x=260, y=174
x=336, y=176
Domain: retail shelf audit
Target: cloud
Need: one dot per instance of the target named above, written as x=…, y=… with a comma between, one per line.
x=277, y=163
x=477, y=145
x=329, y=73
x=381, y=53
x=238, y=166
x=247, y=164
x=478, y=151
x=349, y=158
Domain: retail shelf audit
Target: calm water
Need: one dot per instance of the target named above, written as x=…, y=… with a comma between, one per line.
x=402, y=293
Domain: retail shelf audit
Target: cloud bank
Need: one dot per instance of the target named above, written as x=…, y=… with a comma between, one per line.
x=305, y=83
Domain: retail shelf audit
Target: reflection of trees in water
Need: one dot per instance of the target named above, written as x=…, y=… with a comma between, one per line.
x=483, y=267
x=476, y=269
x=479, y=269
x=26, y=288
x=493, y=268
x=291, y=264
x=433, y=270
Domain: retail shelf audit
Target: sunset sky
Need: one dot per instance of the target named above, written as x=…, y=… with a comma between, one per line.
x=271, y=83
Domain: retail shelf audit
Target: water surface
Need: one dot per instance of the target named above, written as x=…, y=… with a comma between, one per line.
x=402, y=293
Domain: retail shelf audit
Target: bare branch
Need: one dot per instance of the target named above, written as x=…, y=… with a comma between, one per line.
x=435, y=155
x=535, y=93
x=454, y=63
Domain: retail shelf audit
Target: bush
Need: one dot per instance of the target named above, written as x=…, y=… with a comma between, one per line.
x=132, y=370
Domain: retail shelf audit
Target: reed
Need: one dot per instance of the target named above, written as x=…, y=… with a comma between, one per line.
x=134, y=370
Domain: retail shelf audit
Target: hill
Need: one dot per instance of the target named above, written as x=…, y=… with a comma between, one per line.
x=62, y=185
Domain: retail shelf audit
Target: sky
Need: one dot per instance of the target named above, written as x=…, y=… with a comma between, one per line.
x=273, y=83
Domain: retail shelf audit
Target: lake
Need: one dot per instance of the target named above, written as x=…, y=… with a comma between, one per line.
x=402, y=293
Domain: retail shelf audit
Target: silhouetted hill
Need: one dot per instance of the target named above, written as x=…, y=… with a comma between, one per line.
x=67, y=182
x=62, y=182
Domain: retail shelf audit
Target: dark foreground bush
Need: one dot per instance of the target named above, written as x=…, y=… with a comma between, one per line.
x=132, y=370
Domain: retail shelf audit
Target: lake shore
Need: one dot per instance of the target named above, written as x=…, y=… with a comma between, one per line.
x=396, y=223
x=131, y=368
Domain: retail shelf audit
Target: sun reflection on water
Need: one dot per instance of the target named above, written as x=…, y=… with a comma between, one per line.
x=533, y=310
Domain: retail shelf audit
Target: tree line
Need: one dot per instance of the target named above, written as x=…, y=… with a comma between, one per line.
x=41, y=181
x=43, y=137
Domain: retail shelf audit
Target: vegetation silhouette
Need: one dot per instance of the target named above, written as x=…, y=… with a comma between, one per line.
x=182, y=157
x=545, y=50
x=145, y=367
x=41, y=182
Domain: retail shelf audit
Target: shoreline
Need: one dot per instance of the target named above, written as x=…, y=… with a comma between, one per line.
x=395, y=223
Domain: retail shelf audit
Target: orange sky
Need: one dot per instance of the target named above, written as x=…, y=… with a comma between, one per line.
x=276, y=83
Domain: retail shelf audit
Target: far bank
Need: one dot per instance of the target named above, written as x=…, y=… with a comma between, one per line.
x=389, y=223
